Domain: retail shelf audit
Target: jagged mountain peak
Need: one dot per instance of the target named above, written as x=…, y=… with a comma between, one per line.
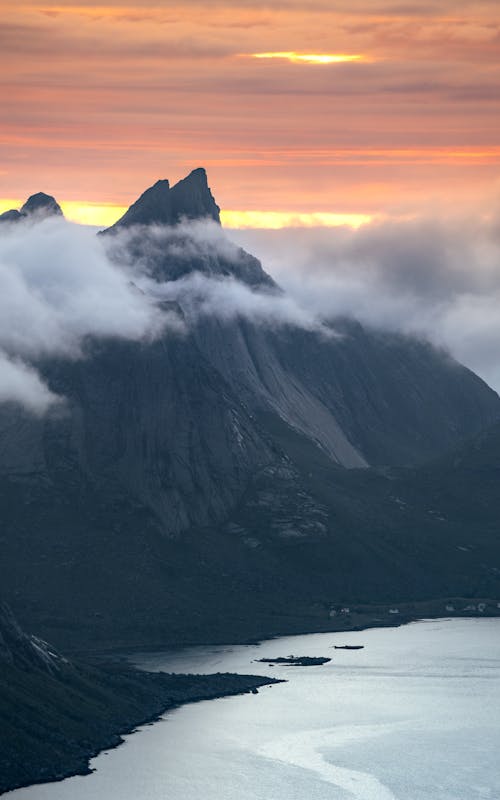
x=39, y=205
x=192, y=198
x=167, y=253
x=162, y=204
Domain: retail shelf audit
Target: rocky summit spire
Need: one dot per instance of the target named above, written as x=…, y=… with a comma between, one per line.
x=153, y=207
x=191, y=198
x=39, y=205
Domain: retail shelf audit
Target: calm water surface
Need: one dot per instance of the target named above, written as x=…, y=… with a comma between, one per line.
x=413, y=716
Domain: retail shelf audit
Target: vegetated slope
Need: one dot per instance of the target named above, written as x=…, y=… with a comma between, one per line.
x=215, y=484
x=57, y=714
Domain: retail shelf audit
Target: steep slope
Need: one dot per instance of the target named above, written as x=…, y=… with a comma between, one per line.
x=195, y=487
x=191, y=198
x=57, y=714
x=366, y=397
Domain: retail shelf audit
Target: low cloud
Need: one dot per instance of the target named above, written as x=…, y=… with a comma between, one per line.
x=57, y=288
x=20, y=383
x=60, y=285
x=196, y=265
x=437, y=279
x=145, y=249
x=227, y=298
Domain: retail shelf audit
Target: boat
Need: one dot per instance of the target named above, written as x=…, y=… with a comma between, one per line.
x=349, y=646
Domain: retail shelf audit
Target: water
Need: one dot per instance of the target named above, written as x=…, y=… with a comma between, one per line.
x=413, y=716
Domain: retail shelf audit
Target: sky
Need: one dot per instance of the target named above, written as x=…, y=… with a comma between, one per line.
x=302, y=113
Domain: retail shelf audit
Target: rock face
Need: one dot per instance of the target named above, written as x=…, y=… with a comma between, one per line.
x=222, y=468
x=191, y=198
x=38, y=205
x=25, y=652
x=154, y=207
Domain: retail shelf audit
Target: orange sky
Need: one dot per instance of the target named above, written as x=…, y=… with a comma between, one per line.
x=99, y=101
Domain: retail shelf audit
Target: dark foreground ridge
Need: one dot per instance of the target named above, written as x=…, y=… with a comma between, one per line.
x=56, y=714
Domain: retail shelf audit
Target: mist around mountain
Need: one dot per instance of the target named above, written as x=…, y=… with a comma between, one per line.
x=199, y=457
x=434, y=277
x=38, y=206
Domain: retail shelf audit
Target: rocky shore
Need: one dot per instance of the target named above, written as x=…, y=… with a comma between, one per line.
x=57, y=714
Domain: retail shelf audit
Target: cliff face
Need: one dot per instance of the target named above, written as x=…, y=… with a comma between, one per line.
x=125, y=502
x=21, y=651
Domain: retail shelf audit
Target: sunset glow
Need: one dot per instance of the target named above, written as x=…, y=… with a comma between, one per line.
x=74, y=211
x=92, y=214
x=310, y=58
x=106, y=215
x=99, y=100
x=289, y=219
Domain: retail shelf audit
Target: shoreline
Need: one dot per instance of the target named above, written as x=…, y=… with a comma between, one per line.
x=355, y=621
x=118, y=663
x=159, y=693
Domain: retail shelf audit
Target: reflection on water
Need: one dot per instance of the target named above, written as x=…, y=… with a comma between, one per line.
x=412, y=716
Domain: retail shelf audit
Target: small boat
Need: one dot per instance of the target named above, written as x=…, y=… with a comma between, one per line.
x=349, y=646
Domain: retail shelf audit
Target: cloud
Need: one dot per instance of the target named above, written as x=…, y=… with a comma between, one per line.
x=61, y=285
x=20, y=383
x=196, y=265
x=228, y=299
x=437, y=279
x=57, y=288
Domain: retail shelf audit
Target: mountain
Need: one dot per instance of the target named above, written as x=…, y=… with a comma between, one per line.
x=191, y=198
x=235, y=480
x=38, y=205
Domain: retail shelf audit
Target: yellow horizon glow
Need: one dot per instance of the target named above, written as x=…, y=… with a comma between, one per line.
x=311, y=58
x=96, y=214
x=7, y=204
x=99, y=215
x=104, y=215
x=274, y=220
